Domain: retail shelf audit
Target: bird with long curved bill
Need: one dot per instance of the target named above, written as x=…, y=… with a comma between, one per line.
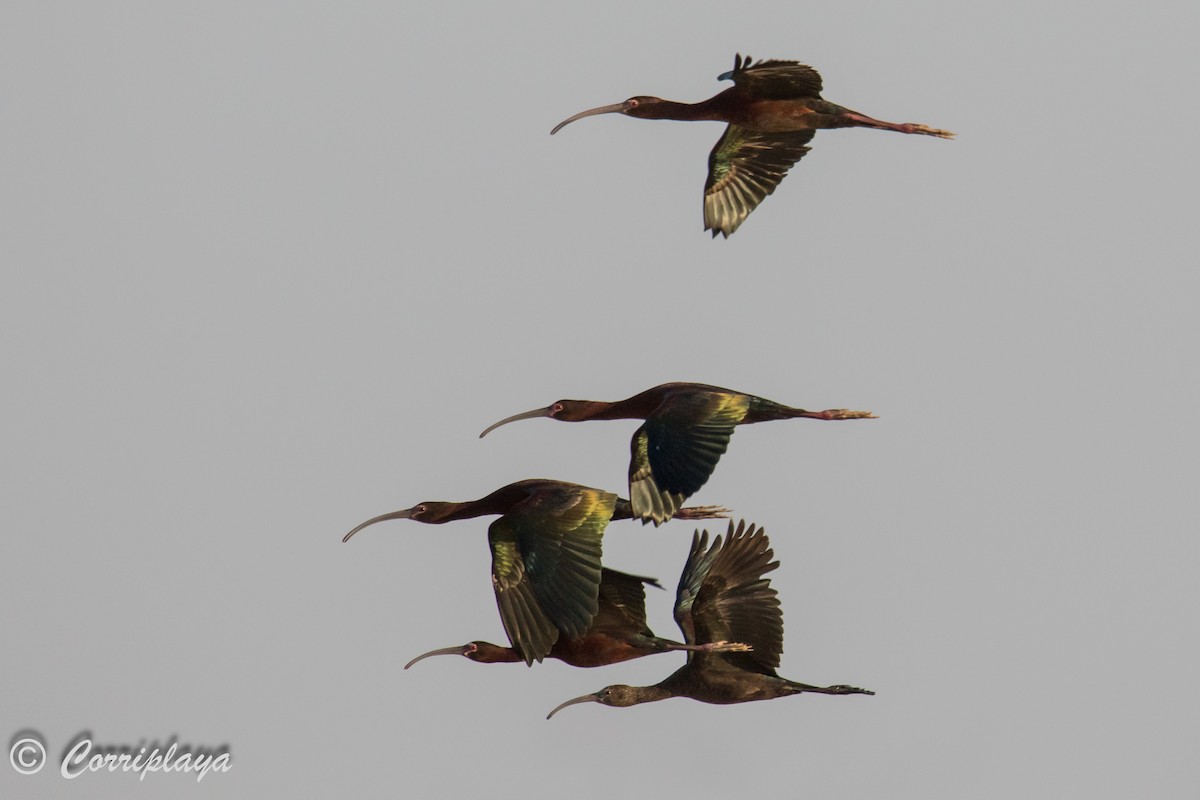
x=546, y=549
x=686, y=431
x=722, y=595
x=617, y=633
x=773, y=110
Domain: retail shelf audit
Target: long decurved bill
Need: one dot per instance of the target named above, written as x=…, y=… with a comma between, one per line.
x=591, y=112
x=441, y=651
x=587, y=698
x=402, y=514
x=537, y=412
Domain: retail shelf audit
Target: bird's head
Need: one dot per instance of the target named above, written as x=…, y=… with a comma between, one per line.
x=562, y=410
x=478, y=651
x=488, y=653
x=618, y=695
x=431, y=512
x=642, y=107
x=645, y=107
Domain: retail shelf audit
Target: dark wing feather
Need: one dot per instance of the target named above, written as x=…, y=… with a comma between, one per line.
x=530, y=631
x=648, y=500
x=698, y=563
x=743, y=168
x=622, y=603
x=723, y=596
x=557, y=537
x=775, y=80
x=675, y=452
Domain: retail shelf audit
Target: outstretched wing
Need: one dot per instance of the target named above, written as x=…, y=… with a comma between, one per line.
x=546, y=566
x=774, y=80
x=622, y=603
x=676, y=450
x=743, y=168
x=723, y=596
x=649, y=500
x=529, y=629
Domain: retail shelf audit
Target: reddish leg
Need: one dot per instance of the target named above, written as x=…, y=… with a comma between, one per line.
x=901, y=127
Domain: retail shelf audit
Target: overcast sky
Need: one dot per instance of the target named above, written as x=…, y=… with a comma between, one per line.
x=269, y=269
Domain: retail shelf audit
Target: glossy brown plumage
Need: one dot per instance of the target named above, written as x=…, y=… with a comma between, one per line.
x=546, y=549
x=722, y=594
x=617, y=633
x=772, y=111
x=686, y=431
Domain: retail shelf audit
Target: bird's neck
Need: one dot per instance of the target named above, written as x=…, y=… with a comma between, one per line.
x=451, y=512
x=500, y=501
x=710, y=109
x=586, y=410
x=640, y=406
x=488, y=653
x=651, y=694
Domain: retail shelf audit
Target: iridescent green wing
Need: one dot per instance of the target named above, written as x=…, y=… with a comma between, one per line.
x=743, y=168
x=775, y=80
x=546, y=566
x=723, y=596
x=675, y=452
x=529, y=629
x=561, y=533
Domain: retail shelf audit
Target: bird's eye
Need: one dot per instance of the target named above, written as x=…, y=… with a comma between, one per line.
x=632, y=102
x=556, y=408
x=420, y=509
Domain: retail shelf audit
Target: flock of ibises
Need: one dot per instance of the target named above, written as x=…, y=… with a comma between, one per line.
x=555, y=597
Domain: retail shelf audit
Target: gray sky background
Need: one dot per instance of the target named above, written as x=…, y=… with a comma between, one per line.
x=269, y=268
